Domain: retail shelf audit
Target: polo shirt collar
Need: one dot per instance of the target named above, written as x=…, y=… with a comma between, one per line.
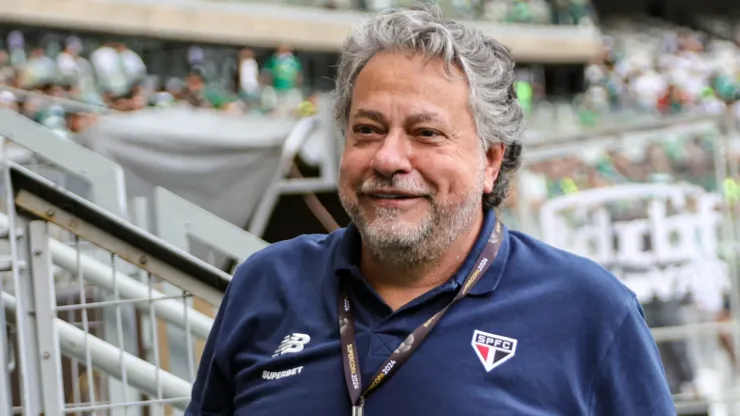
x=347, y=256
x=492, y=277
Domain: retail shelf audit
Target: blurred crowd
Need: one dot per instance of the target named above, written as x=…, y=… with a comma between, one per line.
x=654, y=67
x=649, y=68
x=679, y=159
x=561, y=12
x=37, y=78
x=40, y=83
x=647, y=65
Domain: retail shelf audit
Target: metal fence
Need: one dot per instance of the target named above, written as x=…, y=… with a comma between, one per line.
x=89, y=320
x=125, y=314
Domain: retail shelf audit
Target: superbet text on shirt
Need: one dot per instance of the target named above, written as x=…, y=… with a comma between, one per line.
x=543, y=332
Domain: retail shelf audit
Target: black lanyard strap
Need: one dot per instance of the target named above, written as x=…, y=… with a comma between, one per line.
x=403, y=352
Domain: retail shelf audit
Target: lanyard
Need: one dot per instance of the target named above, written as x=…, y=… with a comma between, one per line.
x=350, y=358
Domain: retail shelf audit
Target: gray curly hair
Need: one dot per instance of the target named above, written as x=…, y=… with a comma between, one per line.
x=485, y=63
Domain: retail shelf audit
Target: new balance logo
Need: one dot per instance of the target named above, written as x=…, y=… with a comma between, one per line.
x=292, y=343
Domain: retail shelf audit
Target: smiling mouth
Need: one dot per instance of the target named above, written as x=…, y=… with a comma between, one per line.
x=392, y=196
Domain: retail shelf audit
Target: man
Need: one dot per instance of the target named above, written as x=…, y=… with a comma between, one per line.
x=195, y=91
x=68, y=62
x=7, y=72
x=249, y=77
x=284, y=69
x=285, y=73
x=133, y=66
x=39, y=70
x=109, y=70
x=425, y=304
x=8, y=100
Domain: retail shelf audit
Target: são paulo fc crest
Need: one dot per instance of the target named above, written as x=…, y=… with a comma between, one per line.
x=492, y=350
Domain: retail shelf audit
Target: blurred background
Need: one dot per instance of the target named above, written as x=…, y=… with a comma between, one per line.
x=206, y=123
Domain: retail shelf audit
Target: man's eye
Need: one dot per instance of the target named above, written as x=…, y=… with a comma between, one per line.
x=427, y=133
x=364, y=129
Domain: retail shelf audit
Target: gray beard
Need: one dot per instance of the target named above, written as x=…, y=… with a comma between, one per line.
x=413, y=245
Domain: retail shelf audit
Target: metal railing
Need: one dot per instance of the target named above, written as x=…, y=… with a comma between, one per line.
x=67, y=362
x=102, y=182
x=105, y=179
x=69, y=105
x=125, y=314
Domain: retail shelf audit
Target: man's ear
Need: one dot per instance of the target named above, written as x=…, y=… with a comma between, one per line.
x=494, y=158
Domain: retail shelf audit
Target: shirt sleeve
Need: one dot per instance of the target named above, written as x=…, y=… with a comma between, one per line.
x=631, y=380
x=212, y=391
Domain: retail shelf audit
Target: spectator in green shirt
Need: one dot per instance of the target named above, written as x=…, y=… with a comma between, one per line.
x=195, y=92
x=285, y=75
x=285, y=70
x=524, y=93
x=520, y=13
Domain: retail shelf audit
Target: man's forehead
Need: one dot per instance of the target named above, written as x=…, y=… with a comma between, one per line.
x=416, y=116
x=398, y=87
x=418, y=95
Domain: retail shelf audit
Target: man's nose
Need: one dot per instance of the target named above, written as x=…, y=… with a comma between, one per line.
x=392, y=157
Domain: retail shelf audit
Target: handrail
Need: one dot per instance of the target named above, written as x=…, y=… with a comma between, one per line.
x=109, y=359
x=102, y=275
x=601, y=133
x=175, y=224
x=68, y=104
x=37, y=197
x=294, y=142
x=106, y=179
x=575, y=143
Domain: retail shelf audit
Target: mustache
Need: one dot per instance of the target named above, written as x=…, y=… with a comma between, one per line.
x=376, y=184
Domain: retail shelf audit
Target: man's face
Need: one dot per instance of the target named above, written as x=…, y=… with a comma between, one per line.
x=413, y=170
x=195, y=83
x=247, y=54
x=138, y=102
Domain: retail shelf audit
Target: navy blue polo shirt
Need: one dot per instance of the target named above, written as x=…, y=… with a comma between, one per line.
x=544, y=332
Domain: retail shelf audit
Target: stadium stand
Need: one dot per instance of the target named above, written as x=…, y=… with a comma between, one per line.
x=267, y=25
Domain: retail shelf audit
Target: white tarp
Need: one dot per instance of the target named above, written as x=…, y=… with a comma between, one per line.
x=220, y=162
